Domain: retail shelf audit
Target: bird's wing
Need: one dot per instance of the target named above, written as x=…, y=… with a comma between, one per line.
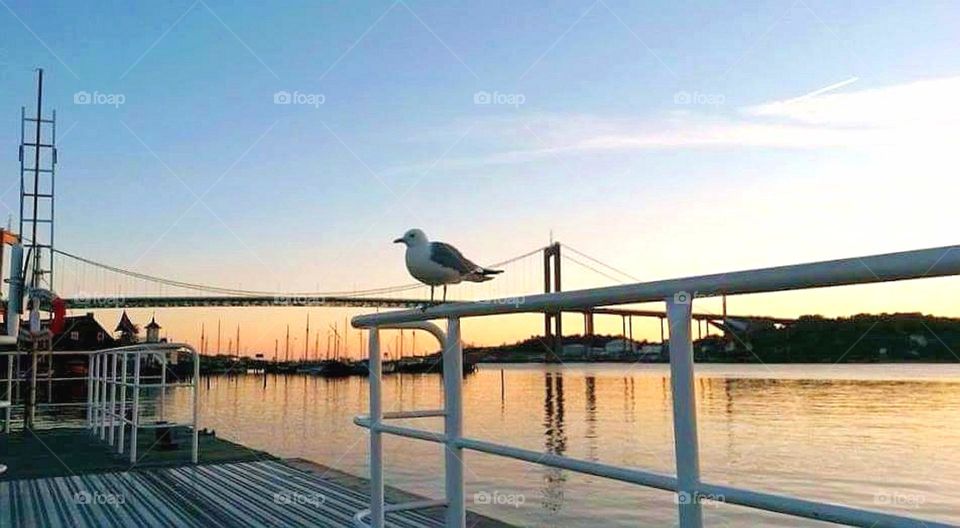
x=449, y=257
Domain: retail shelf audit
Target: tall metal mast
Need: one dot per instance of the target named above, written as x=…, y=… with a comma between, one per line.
x=37, y=193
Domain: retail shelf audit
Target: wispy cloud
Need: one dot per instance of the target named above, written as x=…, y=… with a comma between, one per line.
x=920, y=114
x=931, y=102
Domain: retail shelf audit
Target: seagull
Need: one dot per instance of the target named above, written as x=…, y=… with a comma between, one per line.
x=437, y=263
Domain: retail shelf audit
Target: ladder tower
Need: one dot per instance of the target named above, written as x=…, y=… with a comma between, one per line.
x=38, y=160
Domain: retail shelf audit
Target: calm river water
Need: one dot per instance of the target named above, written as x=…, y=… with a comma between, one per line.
x=878, y=436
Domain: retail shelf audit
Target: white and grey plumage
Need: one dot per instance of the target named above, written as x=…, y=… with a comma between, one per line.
x=439, y=264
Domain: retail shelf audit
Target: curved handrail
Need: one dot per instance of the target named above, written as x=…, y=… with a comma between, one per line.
x=359, y=522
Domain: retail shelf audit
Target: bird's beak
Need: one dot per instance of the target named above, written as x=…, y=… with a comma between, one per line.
x=398, y=241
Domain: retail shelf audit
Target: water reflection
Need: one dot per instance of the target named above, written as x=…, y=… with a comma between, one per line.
x=809, y=431
x=590, y=385
x=556, y=439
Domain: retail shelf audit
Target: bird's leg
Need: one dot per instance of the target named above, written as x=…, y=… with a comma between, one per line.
x=428, y=304
x=444, y=293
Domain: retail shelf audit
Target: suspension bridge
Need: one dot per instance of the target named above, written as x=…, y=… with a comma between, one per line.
x=86, y=284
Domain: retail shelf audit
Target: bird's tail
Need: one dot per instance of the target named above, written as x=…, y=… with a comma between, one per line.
x=482, y=275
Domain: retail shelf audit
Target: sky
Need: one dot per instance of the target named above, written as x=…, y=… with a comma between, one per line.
x=282, y=146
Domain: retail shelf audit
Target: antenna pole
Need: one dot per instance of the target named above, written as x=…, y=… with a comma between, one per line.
x=35, y=280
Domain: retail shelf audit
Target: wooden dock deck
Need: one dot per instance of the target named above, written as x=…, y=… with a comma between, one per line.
x=266, y=493
x=67, y=478
x=74, y=451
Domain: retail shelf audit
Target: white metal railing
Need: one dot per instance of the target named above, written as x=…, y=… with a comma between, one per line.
x=679, y=295
x=111, y=375
x=12, y=380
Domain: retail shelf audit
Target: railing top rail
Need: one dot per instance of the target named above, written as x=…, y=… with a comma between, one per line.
x=923, y=263
x=147, y=347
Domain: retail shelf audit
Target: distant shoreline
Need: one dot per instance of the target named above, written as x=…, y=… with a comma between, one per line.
x=714, y=362
x=901, y=338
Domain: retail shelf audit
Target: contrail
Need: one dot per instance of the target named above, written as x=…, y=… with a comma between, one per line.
x=823, y=90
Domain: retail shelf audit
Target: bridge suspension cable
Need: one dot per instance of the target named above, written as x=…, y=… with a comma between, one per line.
x=595, y=270
x=601, y=263
x=259, y=293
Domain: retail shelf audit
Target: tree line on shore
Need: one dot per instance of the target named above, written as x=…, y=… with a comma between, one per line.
x=862, y=338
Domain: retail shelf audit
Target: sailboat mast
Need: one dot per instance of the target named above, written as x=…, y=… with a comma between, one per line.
x=306, y=341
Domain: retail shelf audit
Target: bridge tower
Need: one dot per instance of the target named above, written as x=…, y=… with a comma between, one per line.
x=38, y=160
x=552, y=322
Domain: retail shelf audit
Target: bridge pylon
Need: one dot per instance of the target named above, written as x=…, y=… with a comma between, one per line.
x=552, y=322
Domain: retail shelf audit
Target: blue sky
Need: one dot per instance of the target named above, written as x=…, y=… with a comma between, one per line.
x=667, y=139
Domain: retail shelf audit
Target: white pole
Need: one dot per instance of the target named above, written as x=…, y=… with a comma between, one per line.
x=679, y=309
x=95, y=404
x=90, y=371
x=453, y=425
x=123, y=402
x=103, y=396
x=113, y=397
x=196, y=406
x=163, y=384
x=376, y=437
x=135, y=409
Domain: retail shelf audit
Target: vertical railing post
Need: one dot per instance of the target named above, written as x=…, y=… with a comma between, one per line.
x=679, y=310
x=104, y=362
x=123, y=402
x=95, y=403
x=163, y=385
x=111, y=435
x=195, y=457
x=453, y=425
x=90, y=376
x=376, y=436
x=135, y=408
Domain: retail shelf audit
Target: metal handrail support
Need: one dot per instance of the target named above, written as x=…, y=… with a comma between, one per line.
x=358, y=519
x=103, y=395
x=453, y=426
x=402, y=415
x=374, y=420
x=123, y=404
x=113, y=399
x=686, y=443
